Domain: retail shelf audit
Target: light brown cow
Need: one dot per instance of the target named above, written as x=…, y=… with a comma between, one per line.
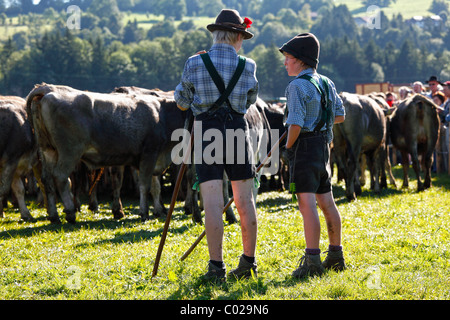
x=101, y=130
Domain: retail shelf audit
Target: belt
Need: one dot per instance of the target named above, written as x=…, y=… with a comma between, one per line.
x=224, y=112
x=312, y=133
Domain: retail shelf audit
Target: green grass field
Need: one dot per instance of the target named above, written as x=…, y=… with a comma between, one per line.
x=396, y=247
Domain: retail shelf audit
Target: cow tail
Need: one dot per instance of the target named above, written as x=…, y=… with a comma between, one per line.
x=34, y=111
x=34, y=99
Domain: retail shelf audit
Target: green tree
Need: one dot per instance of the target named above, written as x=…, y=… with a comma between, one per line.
x=337, y=22
x=165, y=28
x=271, y=73
x=407, y=63
x=98, y=72
x=172, y=8
x=109, y=13
x=438, y=6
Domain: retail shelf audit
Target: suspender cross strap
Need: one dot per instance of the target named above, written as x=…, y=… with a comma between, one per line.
x=225, y=92
x=326, y=109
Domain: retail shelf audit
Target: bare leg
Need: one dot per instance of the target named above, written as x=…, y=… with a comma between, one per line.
x=332, y=217
x=311, y=222
x=245, y=205
x=213, y=204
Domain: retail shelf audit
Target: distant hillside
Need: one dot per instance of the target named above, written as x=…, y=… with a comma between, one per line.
x=408, y=8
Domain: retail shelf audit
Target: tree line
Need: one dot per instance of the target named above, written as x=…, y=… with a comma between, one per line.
x=106, y=52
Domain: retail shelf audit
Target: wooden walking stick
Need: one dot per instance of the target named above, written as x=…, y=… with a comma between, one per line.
x=174, y=196
x=200, y=237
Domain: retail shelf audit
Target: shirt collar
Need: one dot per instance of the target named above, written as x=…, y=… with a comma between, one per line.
x=306, y=71
x=223, y=46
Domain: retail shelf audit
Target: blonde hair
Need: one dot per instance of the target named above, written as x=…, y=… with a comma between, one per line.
x=222, y=36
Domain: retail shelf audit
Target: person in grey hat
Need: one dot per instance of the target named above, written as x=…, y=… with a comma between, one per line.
x=199, y=92
x=313, y=107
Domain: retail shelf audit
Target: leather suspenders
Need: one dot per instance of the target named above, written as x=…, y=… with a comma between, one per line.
x=225, y=92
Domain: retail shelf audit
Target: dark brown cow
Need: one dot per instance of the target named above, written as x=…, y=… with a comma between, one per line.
x=18, y=151
x=101, y=130
x=362, y=132
x=414, y=131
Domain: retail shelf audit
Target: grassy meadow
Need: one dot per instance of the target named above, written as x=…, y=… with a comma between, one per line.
x=396, y=248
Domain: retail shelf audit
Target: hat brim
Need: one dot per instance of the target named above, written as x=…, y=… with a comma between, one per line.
x=212, y=27
x=434, y=80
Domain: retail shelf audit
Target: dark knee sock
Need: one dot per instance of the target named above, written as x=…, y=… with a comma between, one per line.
x=249, y=259
x=312, y=251
x=218, y=264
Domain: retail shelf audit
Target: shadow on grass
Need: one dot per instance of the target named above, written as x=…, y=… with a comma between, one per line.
x=232, y=289
x=441, y=180
x=105, y=222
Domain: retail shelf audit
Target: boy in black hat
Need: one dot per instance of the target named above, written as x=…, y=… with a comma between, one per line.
x=199, y=91
x=313, y=106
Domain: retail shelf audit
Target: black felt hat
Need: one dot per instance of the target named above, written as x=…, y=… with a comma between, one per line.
x=305, y=47
x=433, y=78
x=230, y=20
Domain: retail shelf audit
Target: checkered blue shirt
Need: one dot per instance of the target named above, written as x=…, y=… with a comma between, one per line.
x=303, y=103
x=198, y=91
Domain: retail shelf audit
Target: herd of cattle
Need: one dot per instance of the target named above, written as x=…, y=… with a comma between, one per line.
x=55, y=132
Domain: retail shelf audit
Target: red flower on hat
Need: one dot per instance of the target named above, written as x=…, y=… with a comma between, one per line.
x=247, y=23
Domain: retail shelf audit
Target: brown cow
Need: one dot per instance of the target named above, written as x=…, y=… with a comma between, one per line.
x=18, y=151
x=414, y=130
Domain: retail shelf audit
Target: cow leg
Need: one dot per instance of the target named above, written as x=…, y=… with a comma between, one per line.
x=2, y=200
x=158, y=207
x=350, y=178
x=388, y=168
x=6, y=177
x=66, y=163
x=146, y=168
x=19, y=192
x=363, y=165
x=63, y=185
x=405, y=165
x=116, y=181
x=374, y=163
x=48, y=160
x=416, y=167
x=376, y=172
x=191, y=200
x=428, y=160
x=93, y=201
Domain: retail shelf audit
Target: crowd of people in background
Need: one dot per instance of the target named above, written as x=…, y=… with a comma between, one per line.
x=439, y=92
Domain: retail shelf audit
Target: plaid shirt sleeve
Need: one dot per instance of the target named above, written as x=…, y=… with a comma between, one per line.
x=184, y=92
